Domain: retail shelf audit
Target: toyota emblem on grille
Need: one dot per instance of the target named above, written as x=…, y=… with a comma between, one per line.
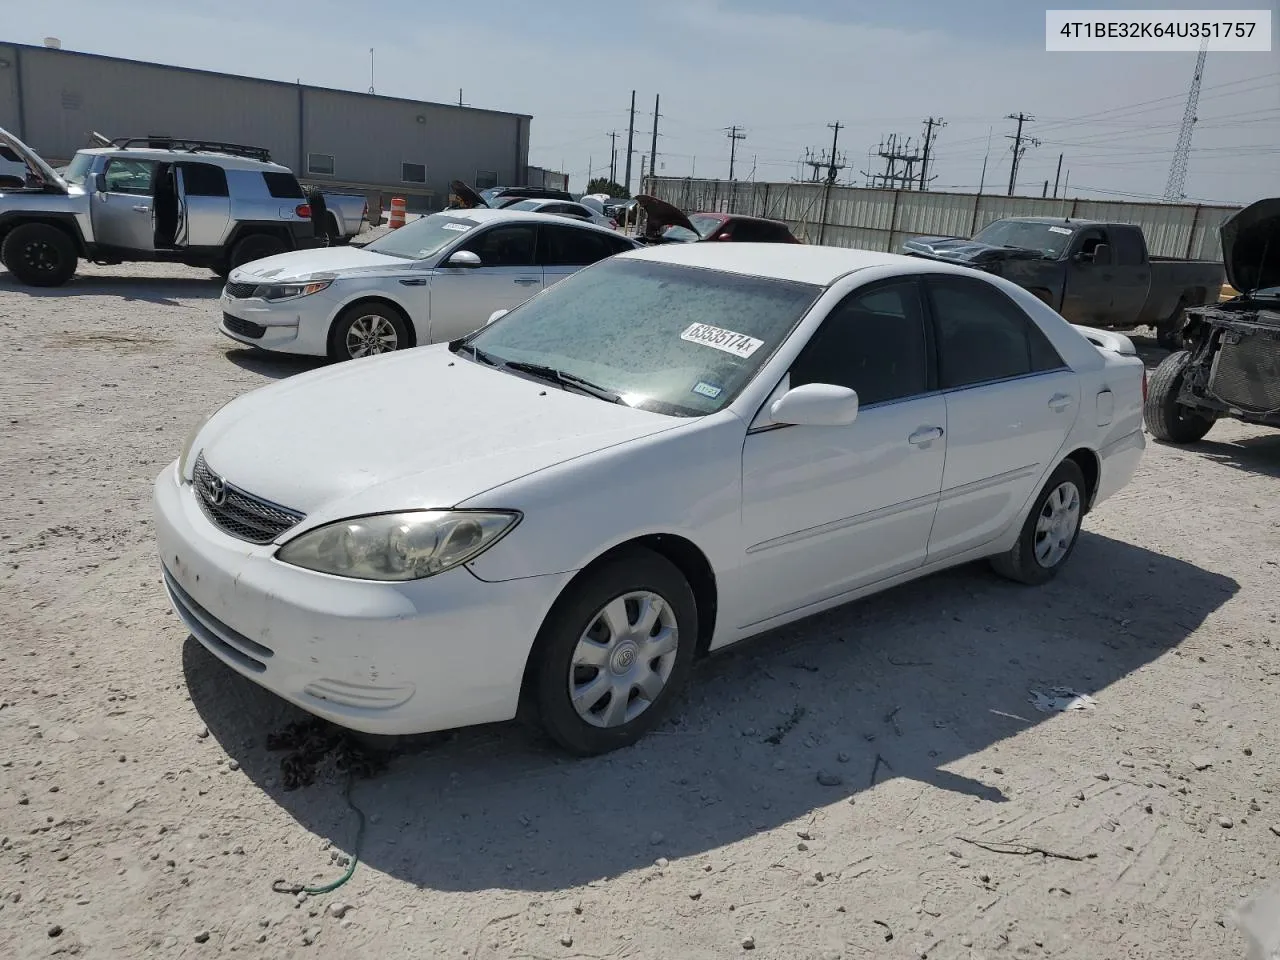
x=216, y=488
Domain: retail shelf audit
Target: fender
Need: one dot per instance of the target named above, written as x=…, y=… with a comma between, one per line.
x=66, y=221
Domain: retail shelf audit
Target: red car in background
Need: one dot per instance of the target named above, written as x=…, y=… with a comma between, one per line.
x=666, y=223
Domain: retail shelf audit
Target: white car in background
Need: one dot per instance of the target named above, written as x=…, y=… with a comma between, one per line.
x=434, y=279
x=565, y=208
x=666, y=453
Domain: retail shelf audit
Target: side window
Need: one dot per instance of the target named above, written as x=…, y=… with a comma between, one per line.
x=283, y=186
x=130, y=176
x=619, y=245
x=984, y=336
x=751, y=231
x=1087, y=240
x=504, y=246
x=874, y=342
x=1126, y=247
x=567, y=247
x=204, y=180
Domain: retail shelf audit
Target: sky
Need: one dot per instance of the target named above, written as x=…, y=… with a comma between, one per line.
x=779, y=70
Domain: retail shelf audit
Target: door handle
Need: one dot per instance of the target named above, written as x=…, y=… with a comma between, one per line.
x=525, y=281
x=141, y=208
x=414, y=282
x=924, y=435
x=1059, y=402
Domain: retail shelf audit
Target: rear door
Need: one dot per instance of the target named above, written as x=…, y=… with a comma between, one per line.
x=1131, y=275
x=1011, y=402
x=462, y=298
x=563, y=250
x=122, y=215
x=206, y=200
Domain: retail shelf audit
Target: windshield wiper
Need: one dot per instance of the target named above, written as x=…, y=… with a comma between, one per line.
x=457, y=346
x=562, y=379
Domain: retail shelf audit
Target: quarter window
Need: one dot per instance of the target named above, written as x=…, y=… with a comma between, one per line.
x=984, y=336
x=283, y=186
x=130, y=176
x=504, y=246
x=873, y=342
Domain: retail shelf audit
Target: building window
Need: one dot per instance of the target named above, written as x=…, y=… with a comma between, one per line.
x=321, y=163
x=486, y=179
x=413, y=173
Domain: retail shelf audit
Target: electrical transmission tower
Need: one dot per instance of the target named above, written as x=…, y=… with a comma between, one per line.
x=1175, y=189
x=1019, y=147
x=893, y=154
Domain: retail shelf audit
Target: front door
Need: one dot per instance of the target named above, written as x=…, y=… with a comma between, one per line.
x=462, y=298
x=826, y=510
x=1011, y=402
x=1087, y=292
x=122, y=215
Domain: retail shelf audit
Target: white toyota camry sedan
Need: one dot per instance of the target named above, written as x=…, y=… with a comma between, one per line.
x=663, y=454
x=431, y=280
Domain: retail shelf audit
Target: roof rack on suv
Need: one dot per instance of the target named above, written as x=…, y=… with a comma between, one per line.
x=194, y=146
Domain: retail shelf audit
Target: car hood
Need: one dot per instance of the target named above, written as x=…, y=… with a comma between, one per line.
x=304, y=264
x=1251, y=246
x=659, y=215
x=958, y=250
x=34, y=160
x=419, y=428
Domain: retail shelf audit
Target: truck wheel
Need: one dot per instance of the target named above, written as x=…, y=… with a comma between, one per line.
x=39, y=255
x=257, y=246
x=1166, y=418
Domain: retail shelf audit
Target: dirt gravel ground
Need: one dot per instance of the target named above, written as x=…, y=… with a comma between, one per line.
x=873, y=782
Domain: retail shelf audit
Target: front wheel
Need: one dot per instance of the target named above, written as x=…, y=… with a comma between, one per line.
x=257, y=246
x=1049, y=535
x=367, y=329
x=1165, y=417
x=39, y=255
x=614, y=654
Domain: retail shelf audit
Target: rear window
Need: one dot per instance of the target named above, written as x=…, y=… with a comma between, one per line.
x=283, y=186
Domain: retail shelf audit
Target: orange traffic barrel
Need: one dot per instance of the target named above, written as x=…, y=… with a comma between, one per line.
x=397, y=212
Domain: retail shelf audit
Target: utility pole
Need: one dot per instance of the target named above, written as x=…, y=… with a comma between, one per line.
x=1045, y=191
x=835, y=137
x=734, y=135
x=1056, y=176
x=613, y=152
x=1018, y=148
x=983, y=179
x=631, y=135
x=929, y=124
x=371, y=69
x=653, y=148
x=643, y=157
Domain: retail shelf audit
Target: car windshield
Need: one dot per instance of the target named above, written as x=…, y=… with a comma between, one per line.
x=424, y=237
x=675, y=340
x=78, y=169
x=1050, y=239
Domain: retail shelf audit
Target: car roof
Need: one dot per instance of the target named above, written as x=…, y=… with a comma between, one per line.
x=487, y=215
x=1077, y=221
x=224, y=160
x=798, y=263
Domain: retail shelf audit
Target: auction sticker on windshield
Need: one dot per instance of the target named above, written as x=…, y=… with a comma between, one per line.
x=459, y=227
x=738, y=344
x=1062, y=230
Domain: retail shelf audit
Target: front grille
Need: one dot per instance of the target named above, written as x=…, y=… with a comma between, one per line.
x=240, y=291
x=238, y=512
x=245, y=328
x=1246, y=373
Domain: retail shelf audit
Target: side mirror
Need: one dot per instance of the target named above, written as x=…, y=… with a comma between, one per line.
x=1102, y=255
x=496, y=315
x=100, y=182
x=463, y=258
x=816, y=405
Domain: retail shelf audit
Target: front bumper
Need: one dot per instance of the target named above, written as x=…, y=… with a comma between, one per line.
x=381, y=658
x=298, y=326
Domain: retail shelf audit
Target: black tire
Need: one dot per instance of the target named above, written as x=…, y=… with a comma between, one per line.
x=221, y=269
x=548, y=688
x=367, y=323
x=1022, y=563
x=256, y=246
x=1165, y=417
x=39, y=255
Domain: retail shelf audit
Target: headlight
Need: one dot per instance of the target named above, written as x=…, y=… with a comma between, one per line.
x=287, y=291
x=398, y=546
x=189, y=444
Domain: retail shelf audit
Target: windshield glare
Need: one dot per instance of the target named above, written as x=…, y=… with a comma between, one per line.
x=78, y=169
x=670, y=339
x=424, y=237
x=1050, y=239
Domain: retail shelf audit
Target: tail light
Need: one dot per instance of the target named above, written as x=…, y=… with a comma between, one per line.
x=303, y=210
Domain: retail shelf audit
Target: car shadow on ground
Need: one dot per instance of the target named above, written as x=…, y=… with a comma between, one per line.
x=1259, y=455
x=166, y=291
x=899, y=685
x=276, y=366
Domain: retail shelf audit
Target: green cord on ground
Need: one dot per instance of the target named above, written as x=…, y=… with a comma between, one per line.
x=280, y=886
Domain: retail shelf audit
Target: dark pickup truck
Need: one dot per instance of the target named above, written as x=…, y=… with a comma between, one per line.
x=1094, y=274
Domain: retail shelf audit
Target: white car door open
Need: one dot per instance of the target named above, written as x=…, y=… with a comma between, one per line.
x=827, y=509
x=463, y=298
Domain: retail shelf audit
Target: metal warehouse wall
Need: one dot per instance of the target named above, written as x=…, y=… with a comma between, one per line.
x=54, y=99
x=881, y=219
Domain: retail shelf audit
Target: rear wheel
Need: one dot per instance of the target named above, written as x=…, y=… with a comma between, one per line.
x=1049, y=535
x=257, y=246
x=367, y=329
x=39, y=255
x=1166, y=418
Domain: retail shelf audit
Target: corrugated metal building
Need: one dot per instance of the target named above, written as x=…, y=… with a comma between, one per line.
x=382, y=146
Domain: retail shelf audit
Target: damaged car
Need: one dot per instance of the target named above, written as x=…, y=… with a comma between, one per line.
x=1230, y=364
x=666, y=223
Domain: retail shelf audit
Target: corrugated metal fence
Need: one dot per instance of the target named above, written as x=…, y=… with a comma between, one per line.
x=872, y=219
